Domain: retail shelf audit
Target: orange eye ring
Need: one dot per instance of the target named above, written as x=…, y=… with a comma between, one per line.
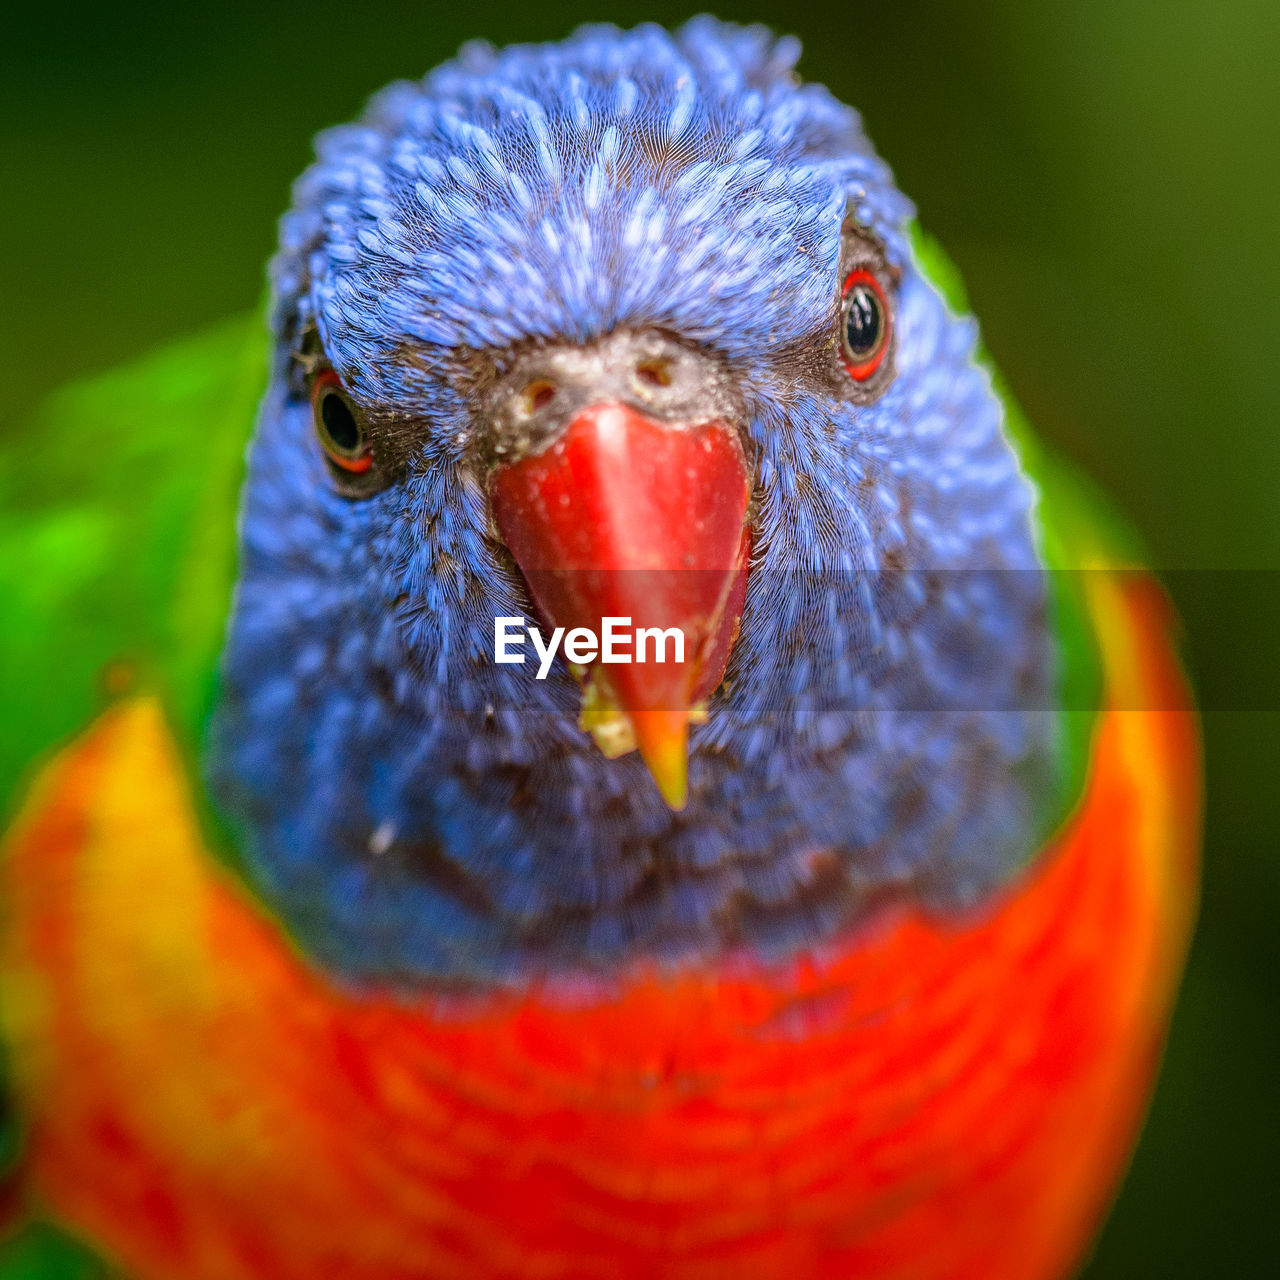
x=342, y=438
x=866, y=325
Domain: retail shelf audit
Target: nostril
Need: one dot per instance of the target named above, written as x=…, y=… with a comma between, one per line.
x=537, y=395
x=655, y=372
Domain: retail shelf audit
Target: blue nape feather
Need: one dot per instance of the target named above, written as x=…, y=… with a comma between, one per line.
x=416, y=813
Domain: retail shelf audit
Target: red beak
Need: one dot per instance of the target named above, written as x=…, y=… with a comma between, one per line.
x=625, y=517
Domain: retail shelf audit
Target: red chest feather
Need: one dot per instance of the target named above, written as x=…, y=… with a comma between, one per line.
x=936, y=1098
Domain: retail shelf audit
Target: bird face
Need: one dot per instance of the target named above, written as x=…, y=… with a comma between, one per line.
x=627, y=326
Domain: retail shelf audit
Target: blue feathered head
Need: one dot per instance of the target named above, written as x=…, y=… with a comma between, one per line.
x=649, y=298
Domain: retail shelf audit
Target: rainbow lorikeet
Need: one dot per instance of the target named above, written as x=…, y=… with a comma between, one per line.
x=840, y=941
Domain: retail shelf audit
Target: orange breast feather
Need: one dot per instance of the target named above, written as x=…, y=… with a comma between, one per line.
x=933, y=1099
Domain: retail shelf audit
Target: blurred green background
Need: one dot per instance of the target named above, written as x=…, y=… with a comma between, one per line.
x=1105, y=172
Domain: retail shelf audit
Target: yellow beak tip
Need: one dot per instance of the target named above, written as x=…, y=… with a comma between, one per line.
x=663, y=740
x=673, y=786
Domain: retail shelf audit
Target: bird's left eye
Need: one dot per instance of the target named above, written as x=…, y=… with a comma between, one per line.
x=343, y=438
x=866, y=325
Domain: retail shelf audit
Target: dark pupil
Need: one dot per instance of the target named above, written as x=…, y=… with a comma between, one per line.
x=862, y=326
x=339, y=423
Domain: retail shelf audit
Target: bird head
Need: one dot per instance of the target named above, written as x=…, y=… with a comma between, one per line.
x=627, y=326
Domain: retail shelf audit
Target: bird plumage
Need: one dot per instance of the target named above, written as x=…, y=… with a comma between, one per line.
x=928, y=1098
x=331, y=947
x=681, y=185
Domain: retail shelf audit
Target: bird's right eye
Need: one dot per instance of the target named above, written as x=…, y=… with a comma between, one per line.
x=343, y=438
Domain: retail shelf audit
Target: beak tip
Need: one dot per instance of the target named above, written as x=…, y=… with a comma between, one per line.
x=674, y=790
x=663, y=740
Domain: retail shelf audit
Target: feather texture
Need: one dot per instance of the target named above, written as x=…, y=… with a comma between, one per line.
x=204, y=1104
